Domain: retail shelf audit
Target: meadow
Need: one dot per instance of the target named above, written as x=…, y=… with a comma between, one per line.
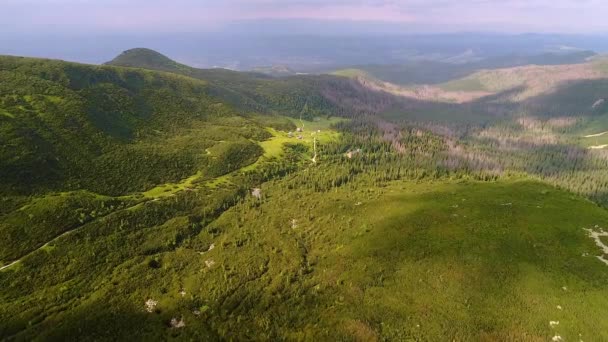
x=460, y=259
x=184, y=204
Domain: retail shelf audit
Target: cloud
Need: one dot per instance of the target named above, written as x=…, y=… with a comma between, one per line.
x=192, y=15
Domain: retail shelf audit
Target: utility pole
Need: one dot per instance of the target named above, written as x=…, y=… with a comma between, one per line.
x=301, y=123
x=314, y=142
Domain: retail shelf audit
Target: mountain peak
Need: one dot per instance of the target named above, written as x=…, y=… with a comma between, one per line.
x=147, y=59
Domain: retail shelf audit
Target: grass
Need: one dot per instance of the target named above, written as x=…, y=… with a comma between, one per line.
x=460, y=263
x=6, y=113
x=600, y=64
x=331, y=251
x=488, y=81
x=437, y=113
x=320, y=127
x=170, y=189
x=592, y=125
x=273, y=148
x=465, y=84
x=351, y=73
x=222, y=180
x=320, y=124
x=409, y=261
x=437, y=261
x=596, y=141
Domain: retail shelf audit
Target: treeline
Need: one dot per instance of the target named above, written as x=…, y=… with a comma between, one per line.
x=66, y=126
x=531, y=147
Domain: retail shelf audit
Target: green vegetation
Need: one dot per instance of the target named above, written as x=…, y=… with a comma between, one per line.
x=351, y=73
x=305, y=96
x=444, y=113
x=600, y=63
x=45, y=218
x=275, y=71
x=185, y=204
x=436, y=72
x=406, y=260
x=110, y=130
x=148, y=59
x=465, y=84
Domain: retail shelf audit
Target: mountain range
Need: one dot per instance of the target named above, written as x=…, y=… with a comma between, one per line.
x=148, y=199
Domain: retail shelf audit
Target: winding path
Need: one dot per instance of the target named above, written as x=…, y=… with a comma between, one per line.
x=67, y=233
x=595, y=135
x=9, y=265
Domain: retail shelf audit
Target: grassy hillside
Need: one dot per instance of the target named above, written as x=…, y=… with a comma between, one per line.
x=425, y=261
x=275, y=71
x=435, y=72
x=533, y=80
x=296, y=96
x=512, y=84
x=183, y=204
x=569, y=94
x=147, y=59
x=110, y=130
x=534, y=89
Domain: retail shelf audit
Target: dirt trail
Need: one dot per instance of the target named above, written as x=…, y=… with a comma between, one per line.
x=9, y=265
x=67, y=233
x=597, y=147
x=595, y=135
x=152, y=197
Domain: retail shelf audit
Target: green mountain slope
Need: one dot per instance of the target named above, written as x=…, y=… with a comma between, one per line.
x=435, y=72
x=116, y=130
x=182, y=204
x=409, y=260
x=153, y=60
x=147, y=59
x=306, y=95
x=110, y=130
x=150, y=59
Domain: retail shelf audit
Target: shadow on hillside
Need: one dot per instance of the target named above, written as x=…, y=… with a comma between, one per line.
x=573, y=98
x=100, y=321
x=478, y=112
x=570, y=99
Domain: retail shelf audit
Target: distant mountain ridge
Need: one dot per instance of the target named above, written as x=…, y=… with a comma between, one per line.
x=105, y=128
x=275, y=70
x=147, y=59
x=295, y=95
x=153, y=60
x=431, y=72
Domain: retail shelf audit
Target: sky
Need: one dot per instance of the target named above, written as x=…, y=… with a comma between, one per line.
x=171, y=16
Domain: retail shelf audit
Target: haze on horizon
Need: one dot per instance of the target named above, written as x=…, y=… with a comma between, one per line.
x=43, y=17
x=245, y=34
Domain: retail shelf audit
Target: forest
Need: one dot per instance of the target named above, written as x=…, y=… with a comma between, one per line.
x=151, y=200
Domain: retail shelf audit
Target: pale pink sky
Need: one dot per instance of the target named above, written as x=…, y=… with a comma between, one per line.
x=574, y=16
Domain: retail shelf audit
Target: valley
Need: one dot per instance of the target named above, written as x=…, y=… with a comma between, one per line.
x=148, y=198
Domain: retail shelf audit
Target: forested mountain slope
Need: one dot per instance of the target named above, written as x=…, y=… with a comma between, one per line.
x=107, y=129
x=513, y=84
x=65, y=124
x=421, y=72
x=305, y=95
x=183, y=204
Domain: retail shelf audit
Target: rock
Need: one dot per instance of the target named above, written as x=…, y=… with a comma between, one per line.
x=257, y=193
x=151, y=305
x=177, y=324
